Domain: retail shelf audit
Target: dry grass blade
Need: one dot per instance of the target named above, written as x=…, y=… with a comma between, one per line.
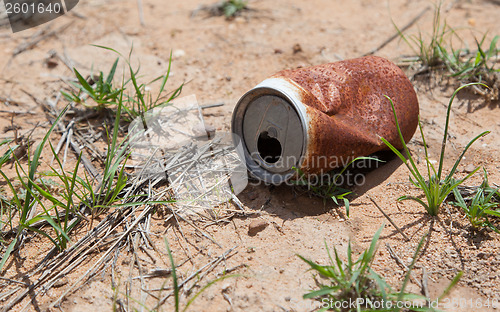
x=190, y=277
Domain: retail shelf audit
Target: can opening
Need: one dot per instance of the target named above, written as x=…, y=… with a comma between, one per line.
x=269, y=148
x=270, y=124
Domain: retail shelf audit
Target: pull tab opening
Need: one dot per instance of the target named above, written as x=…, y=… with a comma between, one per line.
x=269, y=148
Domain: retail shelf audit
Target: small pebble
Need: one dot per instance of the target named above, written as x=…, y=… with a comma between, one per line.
x=469, y=168
x=297, y=48
x=257, y=226
x=51, y=62
x=252, y=195
x=178, y=54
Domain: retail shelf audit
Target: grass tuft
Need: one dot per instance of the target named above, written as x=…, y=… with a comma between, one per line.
x=102, y=94
x=435, y=51
x=427, y=47
x=481, y=207
x=349, y=280
x=34, y=203
x=436, y=187
x=357, y=283
x=26, y=206
x=232, y=8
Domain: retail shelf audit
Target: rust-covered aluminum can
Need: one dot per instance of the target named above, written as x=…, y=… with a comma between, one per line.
x=319, y=118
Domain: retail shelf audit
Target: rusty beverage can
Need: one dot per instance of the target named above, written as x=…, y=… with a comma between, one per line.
x=319, y=118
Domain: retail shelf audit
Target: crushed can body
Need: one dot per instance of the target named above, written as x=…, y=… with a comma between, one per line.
x=319, y=118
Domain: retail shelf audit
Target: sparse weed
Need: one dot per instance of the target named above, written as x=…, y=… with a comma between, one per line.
x=59, y=210
x=428, y=49
x=231, y=8
x=330, y=188
x=142, y=100
x=5, y=203
x=474, y=66
x=7, y=156
x=62, y=210
x=435, y=188
x=481, y=207
x=466, y=64
x=356, y=282
x=436, y=51
x=113, y=179
x=27, y=205
x=177, y=286
x=100, y=90
x=6, y=209
x=349, y=280
x=228, y=8
x=135, y=104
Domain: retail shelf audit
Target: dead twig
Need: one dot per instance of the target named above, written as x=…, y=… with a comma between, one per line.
x=15, y=112
x=141, y=12
x=401, y=263
x=38, y=37
x=91, y=271
x=12, y=281
x=425, y=283
x=8, y=101
x=390, y=220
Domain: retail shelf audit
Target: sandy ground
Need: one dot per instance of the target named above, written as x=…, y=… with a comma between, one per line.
x=221, y=59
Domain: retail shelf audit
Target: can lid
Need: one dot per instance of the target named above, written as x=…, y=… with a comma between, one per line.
x=272, y=133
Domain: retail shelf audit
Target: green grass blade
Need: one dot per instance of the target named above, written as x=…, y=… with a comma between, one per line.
x=339, y=263
x=85, y=85
x=398, y=153
x=347, y=206
x=319, y=268
x=107, y=48
x=493, y=47
x=451, y=285
x=7, y=253
x=112, y=71
x=33, y=229
x=165, y=78
x=370, y=253
x=174, y=275
x=494, y=213
x=445, y=135
x=56, y=227
x=192, y=299
x=11, y=187
x=34, y=164
x=415, y=171
x=459, y=198
x=45, y=195
x=138, y=91
x=382, y=285
x=418, y=200
x=318, y=293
